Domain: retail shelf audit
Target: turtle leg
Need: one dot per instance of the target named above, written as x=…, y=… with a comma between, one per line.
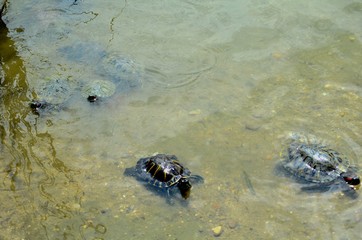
x=349, y=192
x=131, y=172
x=315, y=188
x=197, y=179
x=347, y=189
x=169, y=198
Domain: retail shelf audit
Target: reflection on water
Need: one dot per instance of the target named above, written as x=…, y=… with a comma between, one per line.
x=223, y=86
x=32, y=175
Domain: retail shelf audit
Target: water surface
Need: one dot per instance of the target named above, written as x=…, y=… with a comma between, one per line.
x=221, y=85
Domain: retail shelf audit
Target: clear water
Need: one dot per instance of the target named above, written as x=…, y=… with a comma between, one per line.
x=223, y=85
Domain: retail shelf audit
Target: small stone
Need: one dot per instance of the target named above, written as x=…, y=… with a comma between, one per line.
x=328, y=86
x=195, y=112
x=277, y=55
x=217, y=231
x=232, y=224
x=252, y=126
x=100, y=228
x=76, y=206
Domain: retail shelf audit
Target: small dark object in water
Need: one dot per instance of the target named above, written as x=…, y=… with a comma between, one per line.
x=37, y=106
x=248, y=183
x=92, y=98
x=166, y=172
x=315, y=163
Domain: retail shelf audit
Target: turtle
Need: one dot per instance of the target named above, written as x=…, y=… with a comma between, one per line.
x=166, y=172
x=95, y=89
x=114, y=65
x=124, y=72
x=318, y=164
x=51, y=95
x=121, y=70
x=89, y=53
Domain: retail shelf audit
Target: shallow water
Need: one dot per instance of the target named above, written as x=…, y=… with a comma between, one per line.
x=222, y=85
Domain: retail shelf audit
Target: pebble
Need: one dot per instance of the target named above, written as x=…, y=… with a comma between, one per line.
x=232, y=224
x=252, y=126
x=100, y=228
x=217, y=231
x=195, y=112
x=277, y=55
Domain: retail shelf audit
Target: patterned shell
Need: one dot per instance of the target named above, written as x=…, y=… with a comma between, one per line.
x=54, y=91
x=161, y=170
x=99, y=88
x=315, y=163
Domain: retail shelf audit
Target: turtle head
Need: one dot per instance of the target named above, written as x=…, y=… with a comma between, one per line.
x=37, y=105
x=92, y=98
x=185, y=187
x=351, y=179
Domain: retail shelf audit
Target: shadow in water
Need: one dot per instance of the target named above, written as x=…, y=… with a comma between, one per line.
x=37, y=188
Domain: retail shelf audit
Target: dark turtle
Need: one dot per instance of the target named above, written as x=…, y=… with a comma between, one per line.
x=316, y=163
x=51, y=95
x=166, y=172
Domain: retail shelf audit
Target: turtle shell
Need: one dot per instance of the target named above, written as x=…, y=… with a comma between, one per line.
x=318, y=164
x=125, y=73
x=122, y=70
x=165, y=171
x=51, y=96
x=55, y=91
x=99, y=88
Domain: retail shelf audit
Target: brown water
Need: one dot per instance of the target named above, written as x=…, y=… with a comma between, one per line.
x=223, y=85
